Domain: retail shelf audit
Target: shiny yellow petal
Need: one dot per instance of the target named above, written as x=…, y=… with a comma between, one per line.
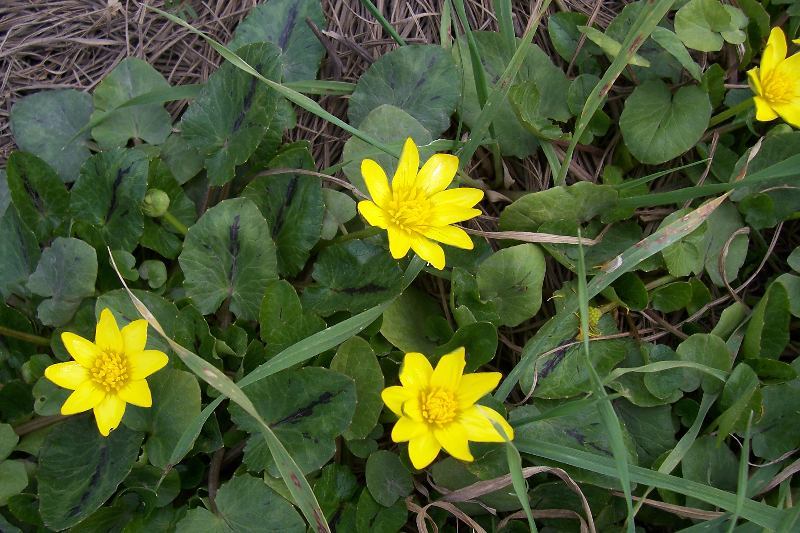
x=428, y=251
x=376, y=180
x=423, y=450
x=476, y=421
x=134, y=336
x=449, y=370
x=85, y=397
x=789, y=70
x=446, y=215
x=449, y=235
x=406, y=429
x=69, y=375
x=461, y=197
x=146, y=362
x=399, y=242
x=82, y=350
x=373, y=214
x=774, y=53
x=789, y=112
x=453, y=438
x=108, y=414
x=412, y=408
x=416, y=371
x=406, y=176
x=394, y=398
x=107, y=335
x=764, y=111
x=755, y=81
x=136, y=392
x=473, y=387
x=437, y=173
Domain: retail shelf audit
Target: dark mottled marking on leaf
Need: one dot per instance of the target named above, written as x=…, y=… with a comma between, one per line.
x=364, y=289
x=101, y=464
x=37, y=200
x=324, y=398
x=233, y=248
x=283, y=40
x=248, y=100
x=575, y=434
x=121, y=173
x=553, y=362
x=291, y=188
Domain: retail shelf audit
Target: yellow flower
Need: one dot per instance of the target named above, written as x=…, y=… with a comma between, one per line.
x=107, y=373
x=437, y=408
x=416, y=210
x=777, y=82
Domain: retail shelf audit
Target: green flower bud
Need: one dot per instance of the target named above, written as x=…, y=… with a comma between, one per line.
x=156, y=203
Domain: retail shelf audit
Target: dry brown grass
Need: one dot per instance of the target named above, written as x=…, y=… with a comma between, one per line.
x=74, y=43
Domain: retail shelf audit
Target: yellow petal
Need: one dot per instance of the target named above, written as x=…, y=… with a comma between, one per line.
x=789, y=112
x=108, y=413
x=774, y=53
x=146, y=362
x=789, y=70
x=134, y=336
x=437, y=173
x=477, y=423
x=82, y=350
x=449, y=370
x=69, y=375
x=394, y=398
x=416, y=371
x=86, y=396
x=462, y=197
x=406, y=176
x=406, y=429
x=376, y=180
x=453, y=438
x=107, y=336
x=473, y=387
x=428, y=250
x=764, y=112
x=423, y=450
x=449, y=235
x=755, y=81
x=136, y=392
x=372, y=213
x=399, y=242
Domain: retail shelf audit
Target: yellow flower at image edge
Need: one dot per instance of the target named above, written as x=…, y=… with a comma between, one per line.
x=107, y=373
x=417, y=210
x=437, y=408
x=776, y=82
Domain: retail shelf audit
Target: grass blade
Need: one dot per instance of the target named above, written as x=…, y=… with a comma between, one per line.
x=607, y=413
x=385, y=23
x=762, y=514
x=741, y=488
x=322, y=87
x=643, y=26
x=558, y=329
x=295, y=97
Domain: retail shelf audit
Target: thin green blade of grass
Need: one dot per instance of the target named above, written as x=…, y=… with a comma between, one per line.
x=500, y=91
x=559, y=328
x=655, y=175
x=297, y=353
x=565, y=409
x=607, y=413
x=760, y=513
x=502, y=12
x=387, y=26
x=676, y=455
x=661, y=366
x=741, y=487
x=322, y=87
x=514, y=461
x=292, y=475
x=297, y=98
x=647, y=20
x=445, y=23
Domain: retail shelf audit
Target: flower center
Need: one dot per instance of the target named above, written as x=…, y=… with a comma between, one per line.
x=777, y=89
x=439, y=406
x=409, y=209
x=110, y=371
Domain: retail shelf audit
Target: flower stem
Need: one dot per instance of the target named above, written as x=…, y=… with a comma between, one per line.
x=361, y=234
x=177, y=224
x=730, y=112
x=27, y=337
